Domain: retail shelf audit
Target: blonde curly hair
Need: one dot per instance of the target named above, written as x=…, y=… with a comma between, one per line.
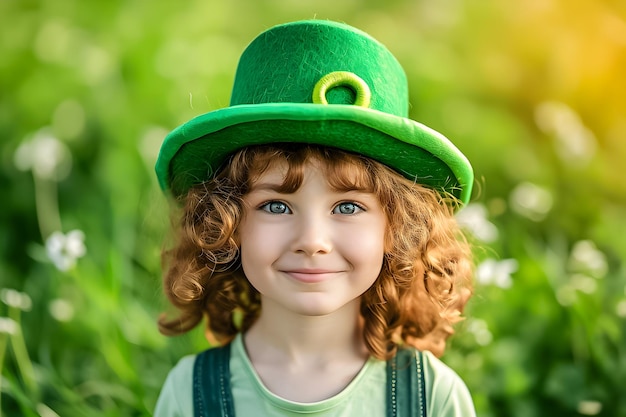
x=425, y=279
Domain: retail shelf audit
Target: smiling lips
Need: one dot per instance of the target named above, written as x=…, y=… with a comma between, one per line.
x=310, y=276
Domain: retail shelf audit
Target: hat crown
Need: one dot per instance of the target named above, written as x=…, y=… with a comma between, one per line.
x=284, y=64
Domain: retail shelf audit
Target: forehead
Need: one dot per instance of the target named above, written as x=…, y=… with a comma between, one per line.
x=274, y=172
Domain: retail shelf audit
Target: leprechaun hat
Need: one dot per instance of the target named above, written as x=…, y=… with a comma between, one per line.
x=317, y=82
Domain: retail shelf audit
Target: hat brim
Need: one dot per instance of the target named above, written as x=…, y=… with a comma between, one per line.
x=194, y=151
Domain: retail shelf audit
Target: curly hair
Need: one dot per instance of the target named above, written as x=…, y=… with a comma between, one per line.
x=426, y=267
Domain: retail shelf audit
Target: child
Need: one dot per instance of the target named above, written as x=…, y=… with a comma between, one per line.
x=317, y=238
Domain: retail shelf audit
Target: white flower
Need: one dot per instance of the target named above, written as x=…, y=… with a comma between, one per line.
x=566, y=295
x=498, y=273
x=575, y=142
x=8, y=326
x=586, y=257
x=63, y=250
x=45, y=155
x=61, y=310
x=473, y=217
x=480, y=330
x=583, y=283
x=16, y=299
x=531, y=201
x=589, y=408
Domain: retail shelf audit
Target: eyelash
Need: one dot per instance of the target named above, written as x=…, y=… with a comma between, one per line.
x=267, y=207
x=358, y=207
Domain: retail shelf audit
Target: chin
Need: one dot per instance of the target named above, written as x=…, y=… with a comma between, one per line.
x=318, y=309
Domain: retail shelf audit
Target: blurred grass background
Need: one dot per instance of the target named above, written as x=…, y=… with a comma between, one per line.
x=531, y=91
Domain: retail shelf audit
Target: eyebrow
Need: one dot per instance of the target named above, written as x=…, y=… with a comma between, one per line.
x=266, y=186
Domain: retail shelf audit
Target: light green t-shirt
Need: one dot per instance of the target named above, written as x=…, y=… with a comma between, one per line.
x=446, y=394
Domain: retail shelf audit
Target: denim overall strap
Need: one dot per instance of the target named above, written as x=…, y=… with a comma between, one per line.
x=212, y=396
x=406, y=389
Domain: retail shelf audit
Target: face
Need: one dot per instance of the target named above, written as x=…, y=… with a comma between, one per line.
x=314, y=251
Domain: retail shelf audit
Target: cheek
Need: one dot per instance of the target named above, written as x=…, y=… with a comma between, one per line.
x=258, y=247
x=367, y=246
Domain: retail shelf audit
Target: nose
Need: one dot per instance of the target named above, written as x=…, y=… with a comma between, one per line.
x=312, y=236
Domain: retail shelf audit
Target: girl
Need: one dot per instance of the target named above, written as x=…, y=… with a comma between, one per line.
x=317, y=239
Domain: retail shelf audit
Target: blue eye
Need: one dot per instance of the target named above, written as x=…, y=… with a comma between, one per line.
x=347, y=208
x=276, y=207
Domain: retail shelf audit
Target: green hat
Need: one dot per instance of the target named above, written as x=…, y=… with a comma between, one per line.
x=317, y=82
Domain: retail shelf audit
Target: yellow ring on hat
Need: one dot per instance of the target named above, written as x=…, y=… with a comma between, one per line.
x=342, y=78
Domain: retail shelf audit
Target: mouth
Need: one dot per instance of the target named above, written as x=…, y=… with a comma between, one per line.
x=310, y=276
